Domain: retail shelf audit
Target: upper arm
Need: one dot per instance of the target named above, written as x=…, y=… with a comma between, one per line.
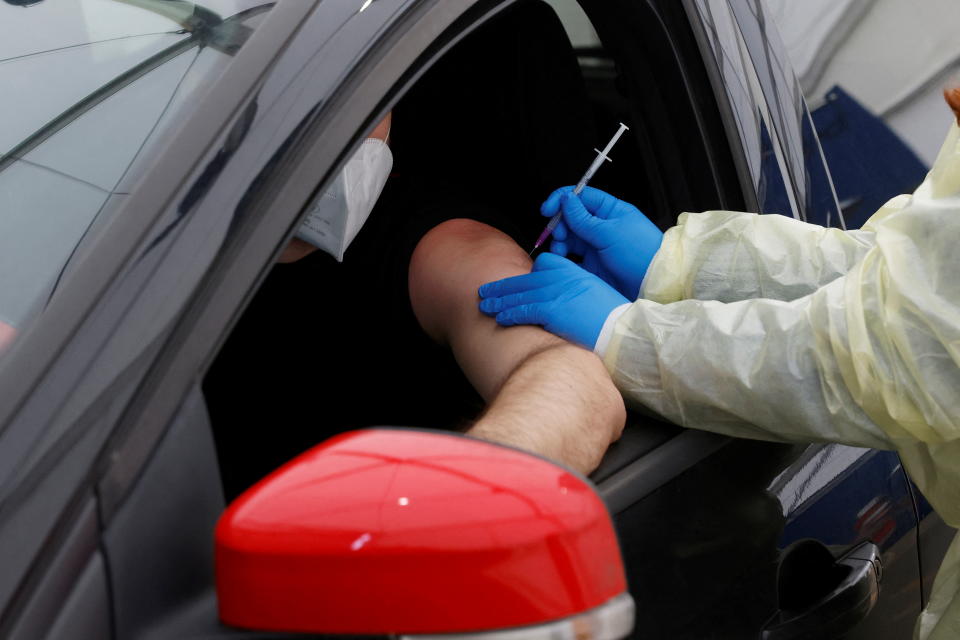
x=447, y=267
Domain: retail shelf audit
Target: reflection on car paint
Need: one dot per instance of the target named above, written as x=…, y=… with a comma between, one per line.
x=830, y=493
x=764, y=96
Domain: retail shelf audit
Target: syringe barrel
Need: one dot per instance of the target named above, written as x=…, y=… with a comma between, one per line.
x=589, y=174
x=601, y=156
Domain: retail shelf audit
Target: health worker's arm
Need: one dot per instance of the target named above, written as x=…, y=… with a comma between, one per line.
x=870, y=359
x=730, y=256
x=716, y=255
x=545, y=395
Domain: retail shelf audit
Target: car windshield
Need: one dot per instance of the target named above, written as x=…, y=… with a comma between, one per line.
x=91, y=90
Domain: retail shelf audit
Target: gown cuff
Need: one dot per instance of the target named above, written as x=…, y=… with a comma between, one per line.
x=603, y=341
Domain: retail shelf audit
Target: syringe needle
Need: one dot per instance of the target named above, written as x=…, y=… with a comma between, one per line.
x=592, y=169
x=554, y=221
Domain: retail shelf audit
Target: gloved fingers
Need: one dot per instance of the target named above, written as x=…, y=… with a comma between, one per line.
x=551, y=205
x=547, y=262
x=578, y=247
x=559, y=247
x=593, y=264
x=560, y=232
x=544, y=273
x=494, y=305
x=597, y=202
x=580, y=220
x=516, y=284
x=572, y=244
x=603, y=205
x=523, y=314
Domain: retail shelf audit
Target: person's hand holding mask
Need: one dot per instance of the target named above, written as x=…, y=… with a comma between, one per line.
x=337, y=215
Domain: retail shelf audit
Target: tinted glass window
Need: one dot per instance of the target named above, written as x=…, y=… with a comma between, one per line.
x=873, y=73
x=92, y=89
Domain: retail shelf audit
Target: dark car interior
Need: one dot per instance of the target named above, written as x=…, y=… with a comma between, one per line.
x=508, y=114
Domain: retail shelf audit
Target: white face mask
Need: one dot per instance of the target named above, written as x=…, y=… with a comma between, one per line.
x=337, y=215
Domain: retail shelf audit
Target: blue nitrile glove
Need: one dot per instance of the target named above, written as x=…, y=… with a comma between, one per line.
x=616, y=240
x=558, y=295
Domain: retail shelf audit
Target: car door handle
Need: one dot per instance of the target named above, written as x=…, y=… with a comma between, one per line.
x=823, y=597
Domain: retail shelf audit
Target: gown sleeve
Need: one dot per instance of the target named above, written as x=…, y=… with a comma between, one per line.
x=860, y=346
x=730, y=256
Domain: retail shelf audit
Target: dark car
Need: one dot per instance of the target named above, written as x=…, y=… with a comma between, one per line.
x=159, y=155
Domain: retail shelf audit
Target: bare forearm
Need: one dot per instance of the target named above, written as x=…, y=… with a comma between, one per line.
x=559, y=403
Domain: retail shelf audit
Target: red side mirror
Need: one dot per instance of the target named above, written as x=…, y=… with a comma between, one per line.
x=412, y=532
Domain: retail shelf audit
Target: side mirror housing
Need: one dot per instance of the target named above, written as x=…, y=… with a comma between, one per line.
x=389, y=531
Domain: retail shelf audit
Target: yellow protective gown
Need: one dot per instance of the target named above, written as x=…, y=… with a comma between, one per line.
x=767, y=327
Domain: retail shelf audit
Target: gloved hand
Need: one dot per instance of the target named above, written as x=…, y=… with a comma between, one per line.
x=558, y=295
x=616, y=240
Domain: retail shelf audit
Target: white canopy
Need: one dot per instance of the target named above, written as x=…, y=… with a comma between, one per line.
x=892, y=56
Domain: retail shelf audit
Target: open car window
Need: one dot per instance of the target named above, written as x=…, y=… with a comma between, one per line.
x=99, y=86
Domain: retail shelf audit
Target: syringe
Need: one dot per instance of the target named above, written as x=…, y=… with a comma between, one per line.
x=601, y=156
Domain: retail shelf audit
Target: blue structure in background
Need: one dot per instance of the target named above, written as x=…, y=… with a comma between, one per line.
x=868, y=161
x=869, y=501
x=771, y=190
